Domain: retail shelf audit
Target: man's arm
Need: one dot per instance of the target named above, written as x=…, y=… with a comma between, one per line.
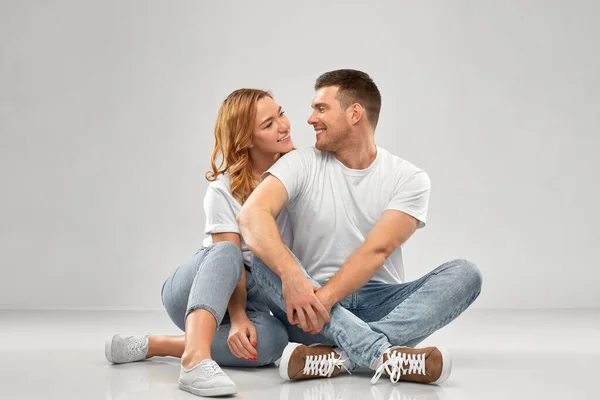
x=391, y=231
x=259, y=230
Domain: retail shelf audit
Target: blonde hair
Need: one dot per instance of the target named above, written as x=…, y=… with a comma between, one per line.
x=233, y=136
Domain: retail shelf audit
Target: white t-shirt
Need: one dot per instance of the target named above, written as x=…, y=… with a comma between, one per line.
x=332, y=208
x=221, y=210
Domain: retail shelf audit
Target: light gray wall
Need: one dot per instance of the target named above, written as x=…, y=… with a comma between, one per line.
x=107, y=110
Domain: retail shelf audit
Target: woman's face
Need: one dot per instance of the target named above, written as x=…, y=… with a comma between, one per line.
x=271, y=128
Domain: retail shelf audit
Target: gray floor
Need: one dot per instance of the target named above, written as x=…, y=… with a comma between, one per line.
x=497, y=354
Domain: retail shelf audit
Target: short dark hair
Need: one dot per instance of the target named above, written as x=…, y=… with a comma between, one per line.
x=354, y=87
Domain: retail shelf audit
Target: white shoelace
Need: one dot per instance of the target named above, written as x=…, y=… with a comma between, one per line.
x=394, y=366
x=211, y=368
x=323, y=365
x=136, y=347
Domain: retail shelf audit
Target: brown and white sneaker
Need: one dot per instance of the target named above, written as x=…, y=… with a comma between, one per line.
x=426, y=365
x=299, y=361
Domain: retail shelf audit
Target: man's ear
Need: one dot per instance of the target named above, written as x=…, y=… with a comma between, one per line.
x=357, y=112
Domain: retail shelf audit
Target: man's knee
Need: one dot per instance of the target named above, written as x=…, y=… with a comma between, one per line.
x=470, y=275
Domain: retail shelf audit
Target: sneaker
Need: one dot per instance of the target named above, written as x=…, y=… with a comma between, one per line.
x=426, y=365
x=206, y=379
x=120, y=349
x=299, y=361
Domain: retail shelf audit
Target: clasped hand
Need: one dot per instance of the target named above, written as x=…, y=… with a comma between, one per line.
x=306, y=305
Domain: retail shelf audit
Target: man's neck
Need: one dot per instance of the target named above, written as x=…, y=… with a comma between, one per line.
x=357, y=155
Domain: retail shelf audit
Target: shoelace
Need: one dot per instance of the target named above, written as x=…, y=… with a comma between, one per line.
x=323, y=365
x=394, y=366
x=211, y=368
x=135, y=347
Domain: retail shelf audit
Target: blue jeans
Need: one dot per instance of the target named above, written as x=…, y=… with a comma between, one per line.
x=380, y=314
x=206, y=282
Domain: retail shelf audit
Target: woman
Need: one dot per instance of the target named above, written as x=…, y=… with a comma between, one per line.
x=251, y=133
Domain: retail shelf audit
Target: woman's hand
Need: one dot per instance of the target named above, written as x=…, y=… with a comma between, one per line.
x=242, y=338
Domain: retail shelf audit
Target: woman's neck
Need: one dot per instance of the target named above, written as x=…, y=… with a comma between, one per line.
x=261, y=162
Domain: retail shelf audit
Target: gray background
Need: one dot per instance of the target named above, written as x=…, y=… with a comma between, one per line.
x=107, y=110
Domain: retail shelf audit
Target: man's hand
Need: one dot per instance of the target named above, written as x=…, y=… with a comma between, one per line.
x=242, y=338
x=325, y=298
x=326, y=301
x=303, y=306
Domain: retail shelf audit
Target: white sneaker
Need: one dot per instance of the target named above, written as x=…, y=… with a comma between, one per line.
x=120, y=349
x=206, y=379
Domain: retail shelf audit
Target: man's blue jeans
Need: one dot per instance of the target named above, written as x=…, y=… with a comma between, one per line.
x=380, y=314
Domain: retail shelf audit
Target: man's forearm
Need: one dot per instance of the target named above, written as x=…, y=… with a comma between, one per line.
x=262, y=237
x=358, y=269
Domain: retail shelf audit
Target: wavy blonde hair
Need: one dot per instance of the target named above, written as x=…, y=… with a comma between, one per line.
x=233, y=135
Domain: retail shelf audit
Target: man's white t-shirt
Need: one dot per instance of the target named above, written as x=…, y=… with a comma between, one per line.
x=221, y=210
x=332, y=208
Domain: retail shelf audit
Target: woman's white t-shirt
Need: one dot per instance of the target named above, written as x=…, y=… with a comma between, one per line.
x=221, y=210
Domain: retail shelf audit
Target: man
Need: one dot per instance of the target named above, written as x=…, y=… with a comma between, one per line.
x=352, y=206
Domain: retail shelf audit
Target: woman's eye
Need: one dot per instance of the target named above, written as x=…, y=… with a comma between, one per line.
x=281, y=113
x=268, y=125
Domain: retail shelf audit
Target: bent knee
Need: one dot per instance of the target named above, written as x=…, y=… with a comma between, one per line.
x=229, y=259
x=226, y=246
x=470, y=274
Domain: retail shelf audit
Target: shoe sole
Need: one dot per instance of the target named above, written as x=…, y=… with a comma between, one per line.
x=218, y=391
x=285, y=359
x=107, y=349
x=446, y=365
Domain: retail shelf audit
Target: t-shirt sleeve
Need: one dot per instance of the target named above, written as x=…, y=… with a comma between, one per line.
x=292, y=170
x=219, y=212
x=411, y=196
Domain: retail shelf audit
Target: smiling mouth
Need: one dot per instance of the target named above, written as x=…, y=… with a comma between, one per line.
x=284, y=138
x=319, y=131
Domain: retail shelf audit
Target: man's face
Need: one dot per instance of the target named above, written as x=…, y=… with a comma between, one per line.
x=328, y=119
